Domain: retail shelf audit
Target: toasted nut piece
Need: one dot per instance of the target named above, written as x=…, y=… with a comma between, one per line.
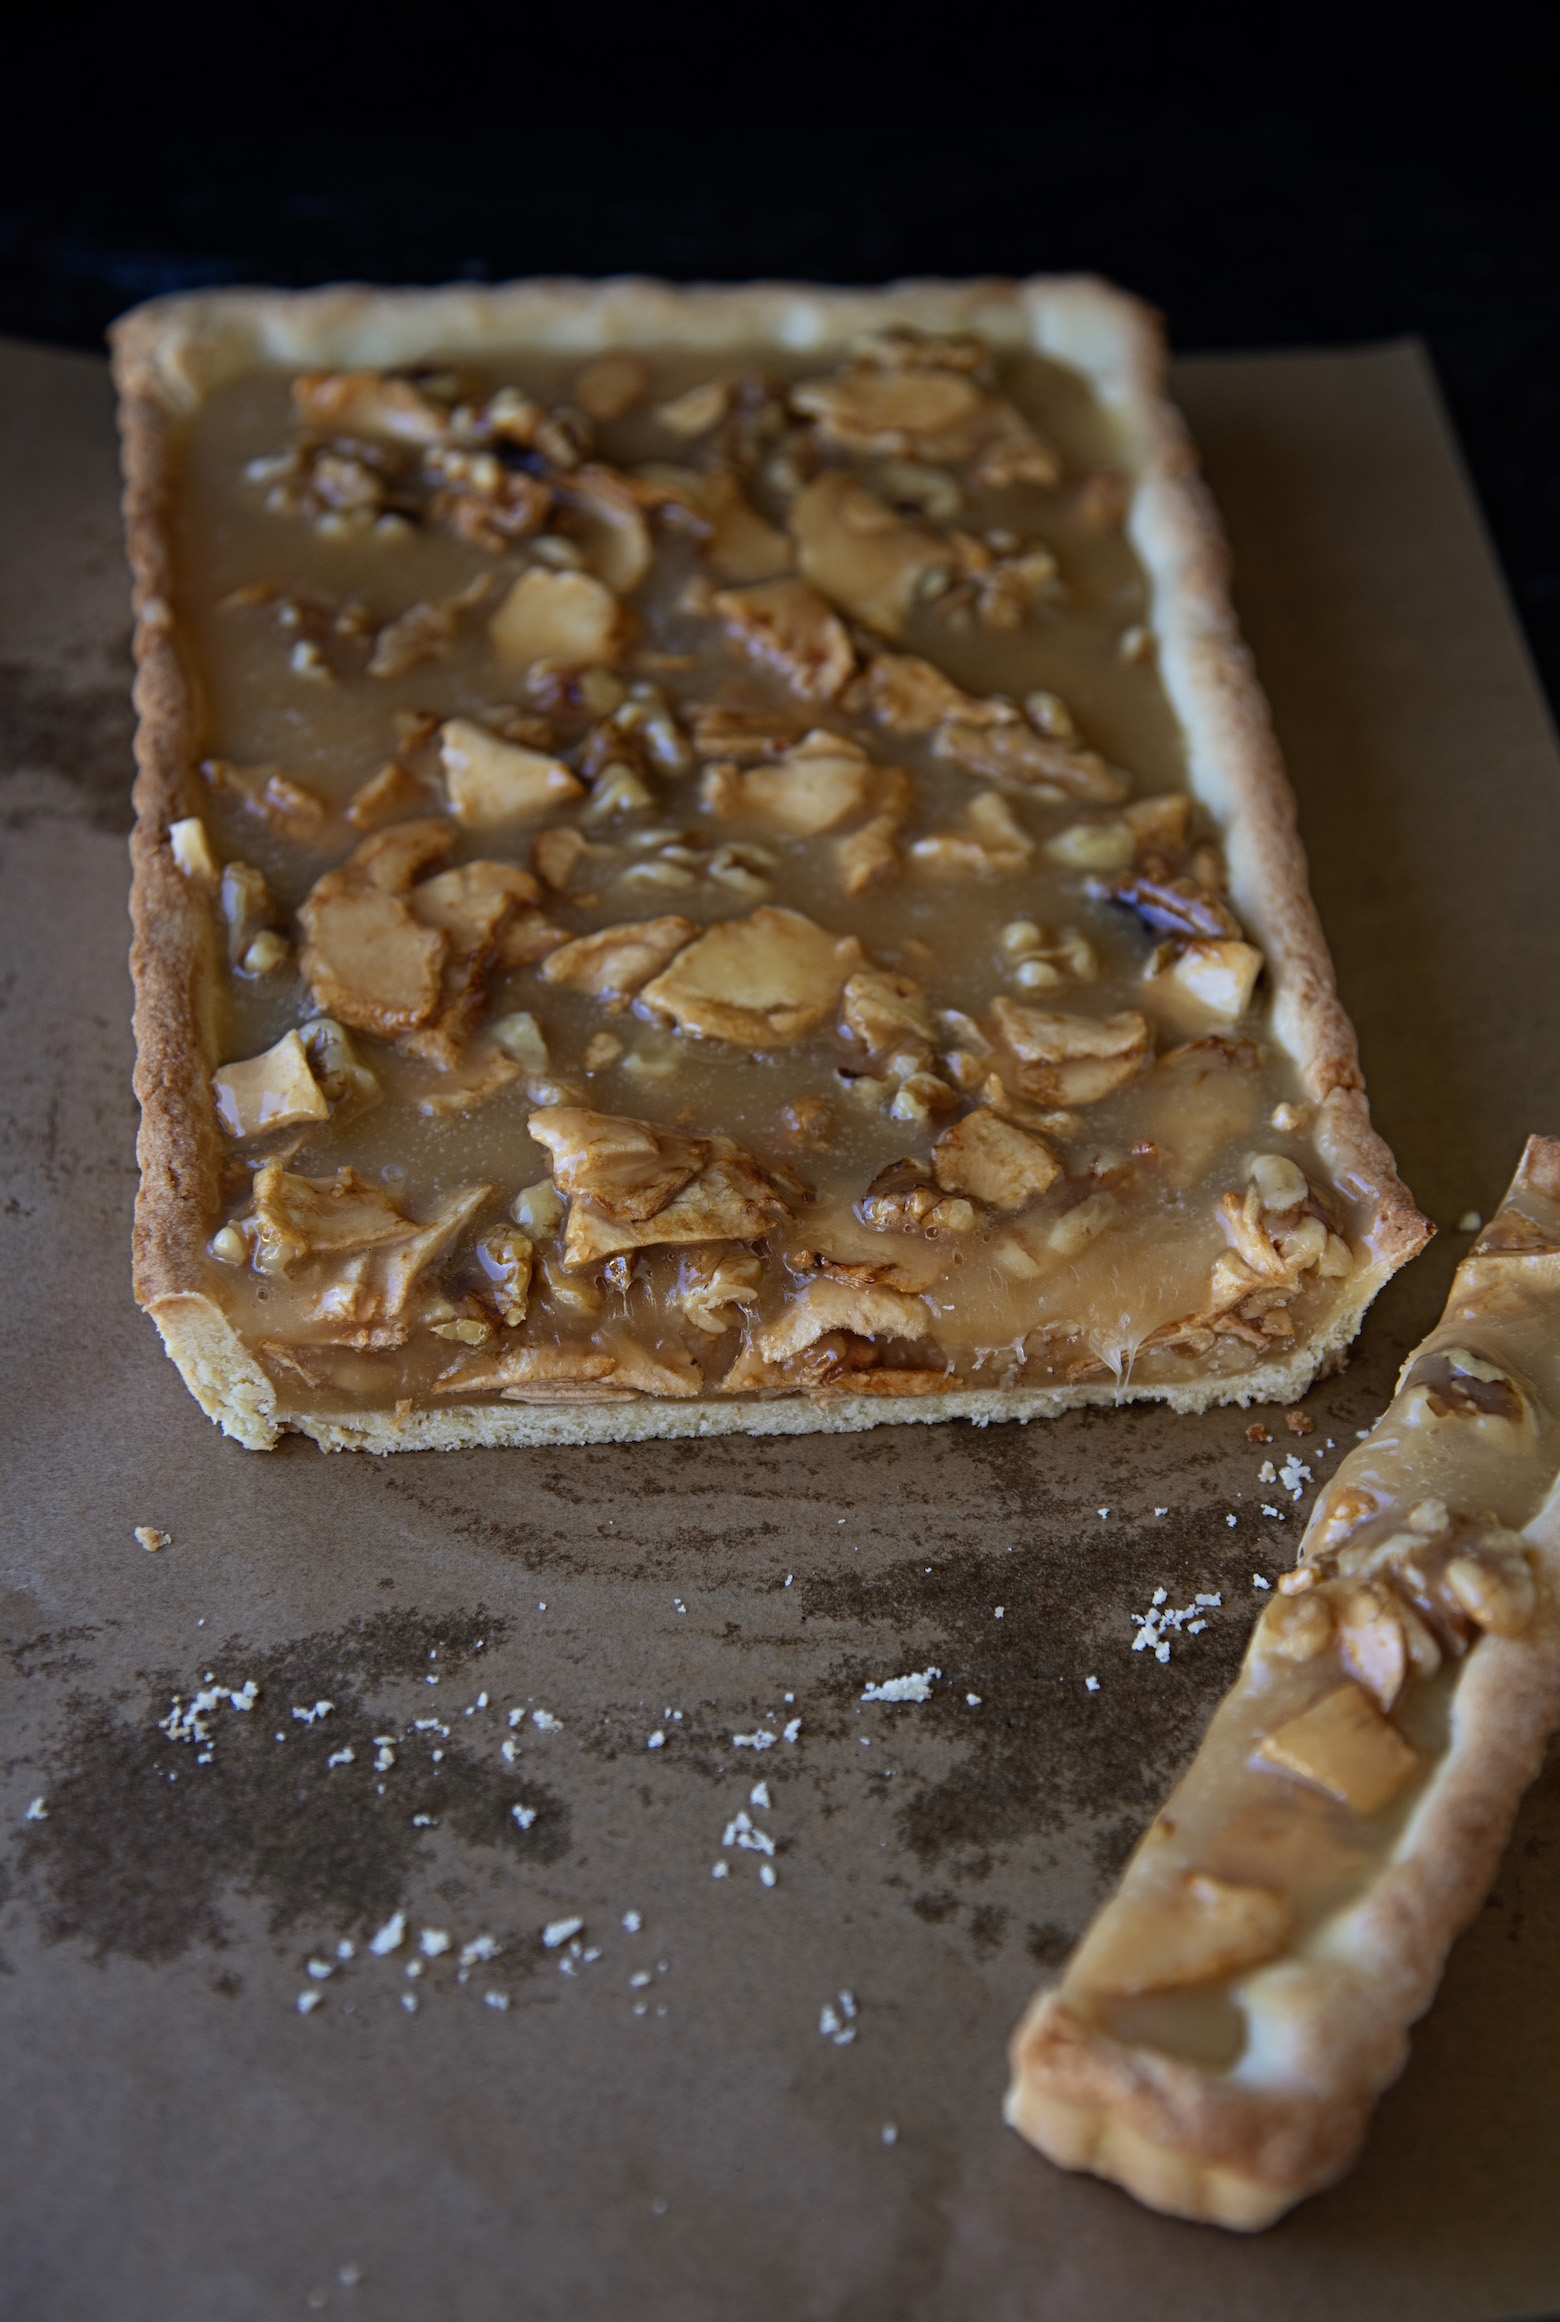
x=861, y=553
x=788, y=626
x=1191, y=1932
x=610, y=385
x=1373, y=1643
x=273, y=1091
x=697, y=409
x=763, y=981
x=1279, y=1181
x=994, y=1160
x=1346, y=1747
x=493, y=782
x=1499, y=1596
x=1081, y=1225
x=868, y=855
x=191, y=850
x=567, y=617
x=1297, y=1628
x=505, y=1256
x=390, y=794
x=538, y=1208
x=1211, y=979
x=615, y=962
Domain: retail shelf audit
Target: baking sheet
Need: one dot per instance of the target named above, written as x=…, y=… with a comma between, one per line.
x=654, y=2121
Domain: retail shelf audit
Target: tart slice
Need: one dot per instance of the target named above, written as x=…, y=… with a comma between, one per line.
x=1219, y=2036
x=712, y=860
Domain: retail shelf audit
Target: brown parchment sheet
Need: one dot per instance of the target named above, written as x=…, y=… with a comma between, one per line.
x=652, y=2121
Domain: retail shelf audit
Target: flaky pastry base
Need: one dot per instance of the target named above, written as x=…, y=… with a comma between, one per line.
x=172, y=353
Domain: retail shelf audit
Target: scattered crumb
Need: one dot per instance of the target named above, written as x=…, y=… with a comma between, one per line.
x=1257, y=1581
x=656, y=1741
x=719, y=1871
x=837, y=2020
x=1161, y=1511
x=1230, y=1520
x=1469, y=1222
x=890, y=2133
x=308, y=2001
x=1091, y=1685
x=973, y=1700
x=151, y=1539
x=558, y=1931
x=37, y=1812
x=768, y=1875
x=1257, y=1433
x=496, y=1999
x=1299, y=1423
x=632, y=1921
x=916, y=1687
x=390, y=1937
x=1293, y=1475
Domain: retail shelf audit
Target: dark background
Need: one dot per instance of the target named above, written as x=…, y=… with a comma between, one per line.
x=1289, y=178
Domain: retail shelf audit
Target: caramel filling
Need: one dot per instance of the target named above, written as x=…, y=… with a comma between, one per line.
x=710, y=895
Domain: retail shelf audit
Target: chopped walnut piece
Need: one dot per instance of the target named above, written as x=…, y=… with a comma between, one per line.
x=387, y=796
x=551, y=1371
x=631, y=1184
x=994, y=1160
x=349, y=1243
x=738, y=543
x=273, y=1091
x=992, y=845
x=861, y=554
x=615, y=962
x=627, y=1168
x=868, y=1311
x=350, y=1088
x=610, y=385
x=486, y=1077
x=368, y=403
x=1346, y=1747
x=915, y=412
x=789, y=628
x=716, y=1286
x=868, y=855
x=910, y=696
x=1172, y=906
x=903, y=1198
x=1209, y=979
x=566, y=617
x=821, y=782
x=191, y=850
x=1163, y=1937
x=493, y=782
x=745, y=735
x=557, y=855
x=247, y=909
x=763, y=981
x=1014, y=754
x=505, y=1256
x=609, y=525
x=697, y=409
x=422, y=633
x=667, y=1369
x=1071, y=1060
x=366, y=956
x=471, y=905
x=885, y=1010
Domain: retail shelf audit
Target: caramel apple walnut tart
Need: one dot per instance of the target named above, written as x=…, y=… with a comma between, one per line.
x=713, y=860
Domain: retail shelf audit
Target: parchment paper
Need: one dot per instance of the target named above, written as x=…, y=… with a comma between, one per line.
x=653, y=2123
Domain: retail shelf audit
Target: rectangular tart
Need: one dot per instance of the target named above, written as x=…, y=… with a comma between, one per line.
x=1220, y=2035
x=713, y=860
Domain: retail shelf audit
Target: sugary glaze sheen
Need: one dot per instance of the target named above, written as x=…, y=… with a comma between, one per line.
x=1219, y=2036
x=699, y=901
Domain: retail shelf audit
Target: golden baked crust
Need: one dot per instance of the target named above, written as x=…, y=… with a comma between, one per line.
x=1327, y=2021
x=174, y=353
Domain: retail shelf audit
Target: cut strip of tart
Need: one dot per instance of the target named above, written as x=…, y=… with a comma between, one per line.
x=1219, y=2036
x=775, y=770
